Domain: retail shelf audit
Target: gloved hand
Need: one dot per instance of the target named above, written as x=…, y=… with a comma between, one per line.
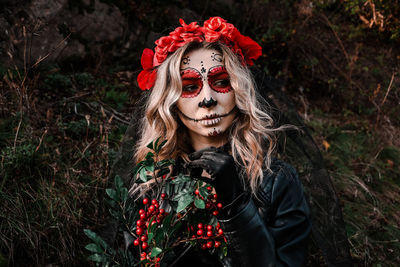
x=221, y=167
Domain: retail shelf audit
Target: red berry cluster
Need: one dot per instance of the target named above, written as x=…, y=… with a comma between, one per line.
x=208, y=236
x=153, y=213
x=155, y=261
x=211, y=201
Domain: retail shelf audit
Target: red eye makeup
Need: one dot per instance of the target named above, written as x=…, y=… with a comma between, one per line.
x=192, y=83
x=219, y=80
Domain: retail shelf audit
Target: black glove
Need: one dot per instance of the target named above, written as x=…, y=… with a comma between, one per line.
x=221, y=167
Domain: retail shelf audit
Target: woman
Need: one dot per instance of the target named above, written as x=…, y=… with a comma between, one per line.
x=203, y=102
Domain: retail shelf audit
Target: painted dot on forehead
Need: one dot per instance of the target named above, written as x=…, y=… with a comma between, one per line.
x=185, y=60
x=216, y=57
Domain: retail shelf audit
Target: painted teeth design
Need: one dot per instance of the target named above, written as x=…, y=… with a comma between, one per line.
x=214, y=132
x=209, y=122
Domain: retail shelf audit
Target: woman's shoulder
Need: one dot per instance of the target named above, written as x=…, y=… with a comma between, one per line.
x=280, y=179
x=280, y=170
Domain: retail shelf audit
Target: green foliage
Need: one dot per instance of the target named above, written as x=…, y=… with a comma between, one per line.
x=84, y=79
x=163, y=235
x=367, y=177
x=57, y=82
x=116, y=99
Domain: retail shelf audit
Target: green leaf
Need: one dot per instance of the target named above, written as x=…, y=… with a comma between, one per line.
x=199, y=203
x=124, y=194
x=183, y=202
x=159, y=235
x=143, y=174
x=149, y=168
x=182, y=192
x=155, y=252
x=159, y=147
x=149, y=156
x=163, y=172
x=112, y=194
x=119, y=184
x=165, y=163
x=181, y=179
x=167, y=221
x=98, y=258
x=150, y=145
x=155, y=144
x=94, y=248
x=150, y=237
x=96, y=238
x=203, y=192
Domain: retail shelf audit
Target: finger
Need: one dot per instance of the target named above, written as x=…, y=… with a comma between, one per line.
x=199, y=163
x=197, y=154
x=207, y=180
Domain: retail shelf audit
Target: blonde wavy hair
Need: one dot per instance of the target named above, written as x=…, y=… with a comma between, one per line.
x=251, y=135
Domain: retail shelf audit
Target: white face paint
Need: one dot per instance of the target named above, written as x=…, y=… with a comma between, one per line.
x=207, y=104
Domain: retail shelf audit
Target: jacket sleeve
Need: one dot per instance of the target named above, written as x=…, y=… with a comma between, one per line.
x=273, y=235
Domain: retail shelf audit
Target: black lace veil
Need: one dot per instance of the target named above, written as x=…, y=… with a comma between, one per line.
x=329, y=240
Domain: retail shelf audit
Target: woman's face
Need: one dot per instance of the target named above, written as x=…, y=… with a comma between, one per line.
x=207, y=103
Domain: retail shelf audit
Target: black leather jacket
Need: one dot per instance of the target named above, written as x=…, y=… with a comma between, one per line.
x=271, y=229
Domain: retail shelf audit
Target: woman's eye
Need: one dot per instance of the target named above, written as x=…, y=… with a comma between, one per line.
x=221, y=83
x=190, y=88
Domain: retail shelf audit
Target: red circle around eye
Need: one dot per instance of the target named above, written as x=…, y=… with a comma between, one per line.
x=191, y=84
x=219, y=81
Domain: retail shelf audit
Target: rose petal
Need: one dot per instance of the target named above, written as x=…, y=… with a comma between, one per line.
x=147, y=59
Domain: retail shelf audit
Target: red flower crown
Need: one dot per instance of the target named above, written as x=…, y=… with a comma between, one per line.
x=215, y=29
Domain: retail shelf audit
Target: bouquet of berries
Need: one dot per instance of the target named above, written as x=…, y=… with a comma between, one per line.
x=177, y=212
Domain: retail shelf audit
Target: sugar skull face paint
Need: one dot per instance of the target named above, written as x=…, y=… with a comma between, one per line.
x=207, y=103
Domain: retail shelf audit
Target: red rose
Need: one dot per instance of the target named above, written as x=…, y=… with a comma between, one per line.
x=250, y=49
x=216, y=28
x=147, y=59
x=147, y=76
x=146, y=79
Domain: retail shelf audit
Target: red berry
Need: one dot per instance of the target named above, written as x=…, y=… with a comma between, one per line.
x=209, y=188
x=143, y=256
x=143, y=238
x=209, y=227
x=157, y=259
x=197, y=192
x=145, y=201
x=145, y=245
x=217, y=244
x=209, y=244
x=141, y=211
x=218, y=226
x=200, y=226
x=220, y=232
x=200, y=232
x=156, y=205
x=136, y=242
x=151, y=208
x=143, y=216
x=215, y=212
x=209, y=233
x=154, y=201
x=219, y=205
x=139, y=231
x=162, y=211
x=203, y=246
x=140, y=222
x=163, y=196
x=215, y=196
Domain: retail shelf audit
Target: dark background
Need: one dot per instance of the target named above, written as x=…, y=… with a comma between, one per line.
x=68, y=89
